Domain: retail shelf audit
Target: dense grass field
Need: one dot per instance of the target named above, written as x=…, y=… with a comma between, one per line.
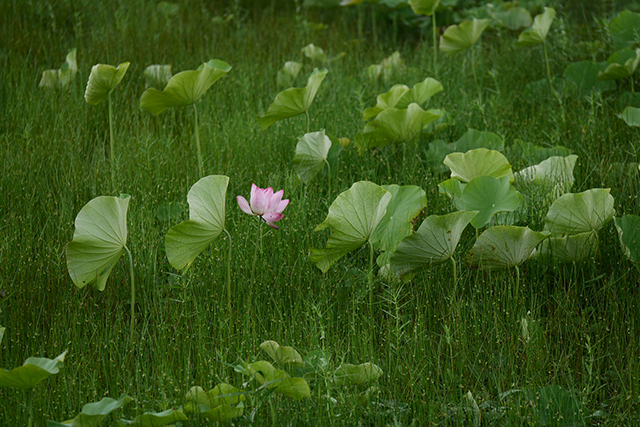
x=480, y=351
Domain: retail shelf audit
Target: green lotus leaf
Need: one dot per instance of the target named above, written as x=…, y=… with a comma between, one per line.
x=311, y=155
x=94, y=413
x=348, y=374
x=400, y=96
x=515, y=18
x=622, y=65
x=222, y=403
x=353, y=217
x=628, y=228
x=580, y=213
x=293, y=101
x=405, y=206
x=102, y=80
x=478, y=162
x=278, y=380
x=157, y=76
x=569, y=248
x=504, y=246
x=488, y=196
x=185, y=88
x=185, y=241
x=222, y=413
x=314, y=53
x=537, y=33
x=394, y=125
x=433, y=243
x=625, y=30
x=424, y=7
x=533, y=154
x=473, y=139
x=288, y=74
x=33, y=371
x=155, y=419
x=631, y=116
x=457, y=38
x=451, y=187
x=283, y=355
x=551, y=172
x=386, y=100
x=583, y=77
x=98, y=241
x=61, y=77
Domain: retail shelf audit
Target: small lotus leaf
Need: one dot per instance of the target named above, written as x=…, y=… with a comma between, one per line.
x=222, y=403
x=569, y=248
x=386, y=100
x=625, y=30
x=318, y=360
x=102, y=80
x=460, y=37
x=98, y=241
x=61, y=77
x=93, y=414
x=580, y=213
x=283, y=355
x=33, y=371
x=622, y=65
x=405, y=206
x=583, y=77
x=185, y=88
x=478, y=162
x=293, y=101
x=288, y=74
x=278, y=380
x=488, y=196
x=155, y=419
x=533, y=154
x=537, y=33
x=424, y=7
x=451, y=187
x=314, y=53
x=515, y=18
x=551, y=172
x=157, y=76
x=353, y=217
x=348, y=374
x=185, y=241
x=504, y=246
x=433, y=243
x=400, y=96
x=629, y=232
x=311, y=155
x=631, y=116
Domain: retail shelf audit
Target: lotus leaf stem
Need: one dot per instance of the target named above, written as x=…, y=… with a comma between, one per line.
x=133, y=290
x=370, y=276
x=229, y=255
x=546, y=60
x=198, y=148
x=255, y=253
x=455, y=271
x=112, y=155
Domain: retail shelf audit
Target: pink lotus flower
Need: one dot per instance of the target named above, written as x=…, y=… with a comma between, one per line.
x=264, y=203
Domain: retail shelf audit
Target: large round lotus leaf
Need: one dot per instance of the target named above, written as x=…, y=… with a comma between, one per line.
x=185, y=88
x=33, y=371
x=282, y=354
x=580, y=213
x=185, y=241
x=624, y=30
x=552, y=171
x=314, y=53
x=266, y=374
x=294, y=101
x=433, y=243
x=393, y=125
x=157, y=76
x=504, y=246
x=405, y=206
x=622, y=65
x=478, y=162
x=98, y=241
x=364, y=373
x=629, y=232
x=155, y=419
x=537, y=33
x=488, y=196
x=353, y=217
x=631, y=116
x=460, y=37
x=574, y=248
x=93, y=414
x=288, y=74
x=311, y=155
x=424, y=7
x=102, y=80
x=583, y=77
x=515, y=18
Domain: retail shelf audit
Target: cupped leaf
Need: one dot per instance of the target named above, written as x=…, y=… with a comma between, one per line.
x=625, y=30
x=628, y=228
x=155, y=419
x=405, y=206
x=622, y=65
x=348, y=374
x=569, y=248
x=504, y=246
x=583, y=77
x=157, y=76
x=311, y=155
x=424, y=7
x=353, y=217
x=400, y=96
x=98, y=241
x=433, y=243
x=537, y=33
x=294, y=101
x=288, y=74
x=451, y=187
x=102, y=80
x=279, y=381
x=222, y=403
x=61, y=77
x=314, y=53
x=93, y=414
x=185, y=241
x=553, y=171
x=284, y=355
x=488, y=196
x=514, y=18
x=457, y=38
x=580, y=213
x=386, y=100
x=33, y=371
x=478, y=162
x=631, y=116
x=395, y=125
x=185, y=88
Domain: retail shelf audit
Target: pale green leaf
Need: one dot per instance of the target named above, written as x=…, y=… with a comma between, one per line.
x=451, y=187
x=284, y=355
x=625, y=30
x=622, y=65
x=314, y=53
x=553, y=171
x=537, y=33
x=155, y=419
x=631, y=116
x=348, y=374
x=478, y=162
x=102, y=80
x=515, y=18
x=288, y=74
x=569, y=248
x=61, y=77
x=385, y=101
x=93, y=414
x=33, y=371
x=157, y=76
x=400, y=96
x=628, y=228
x=460, y=37
x=488, y=196
x=279, y=381
x=424, y=7
x=311, y=155
x=580, y=213
x=504, y=246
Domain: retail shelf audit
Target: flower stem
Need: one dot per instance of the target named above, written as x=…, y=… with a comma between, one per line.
x=229, y=255
x=112, y=155
x=198, y=149
x=370, y=276
x=255, y=253
x=133, y=290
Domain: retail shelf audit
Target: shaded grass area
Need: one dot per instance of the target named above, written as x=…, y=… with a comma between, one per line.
x=434, y=341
